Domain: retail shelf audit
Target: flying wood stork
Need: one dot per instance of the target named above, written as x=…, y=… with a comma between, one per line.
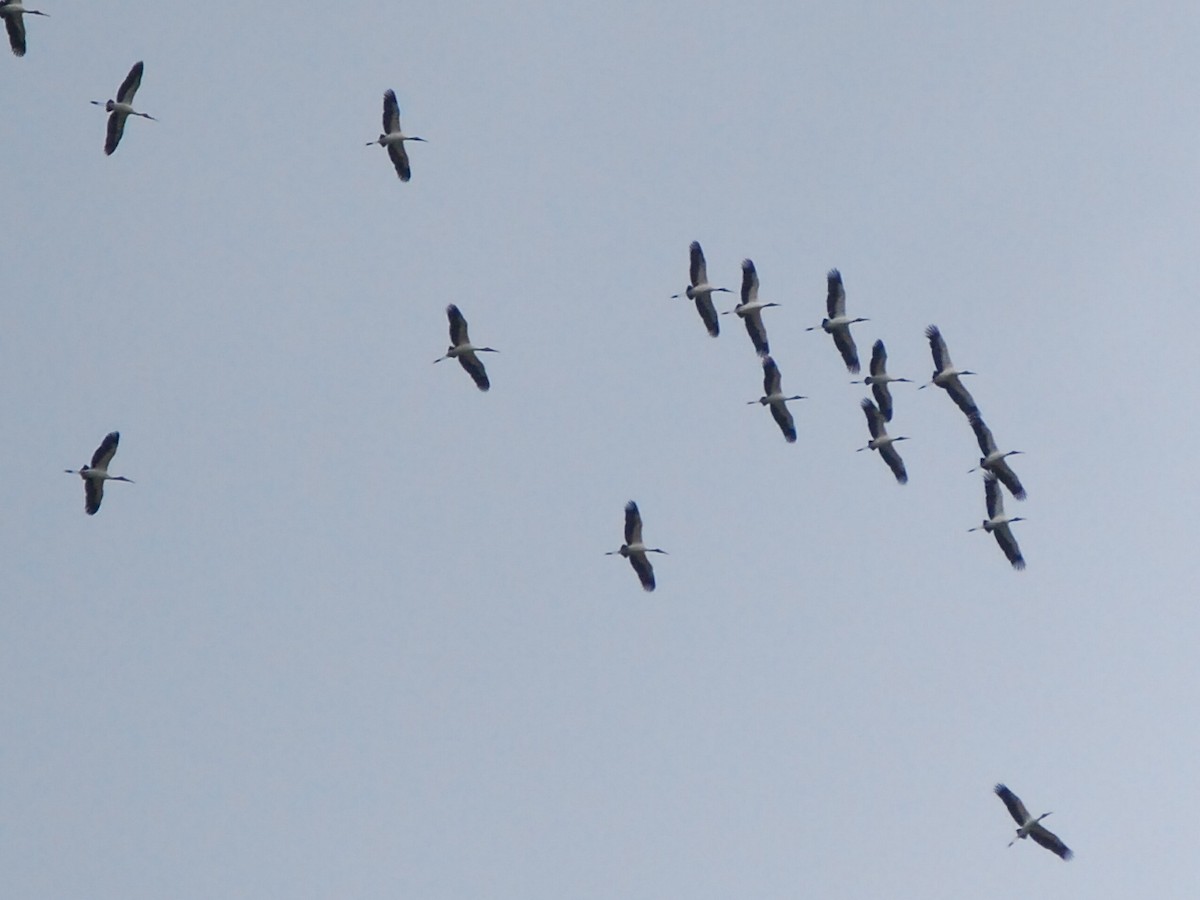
x=121, y=108
x=838, y=324
x=993, y=460
x=13, y=13
x=96, y=474
x=750, y=308
x=945, y=375
x=463, y=350
x=634, y=550
x=701, y=291
x=393, y=138
x=998, y=521
x=1029, y=826
x=774, y=398
x=879, y=380
x=883, y=442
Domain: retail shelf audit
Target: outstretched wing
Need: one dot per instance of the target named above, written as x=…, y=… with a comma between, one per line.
x=633, y=524
x=843, y=340
x=93, y=493
x=699, y=272
x=1016, y=808
x=391, y=113
x=458, y=326
x=130, y=85
x=783, y=418
x=937, y=344
x=749, y=281
x=835, y=297
x=708, y=312
x=399, y=157
x=475, y=369
x=645, y=571
x=874, y=419
x=891, y=456
x=16, y=33
x=1050, y=841
x=104, y=453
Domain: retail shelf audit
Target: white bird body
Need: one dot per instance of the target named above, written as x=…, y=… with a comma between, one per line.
x=393, y=137
x=13, y=13
x=634, y=549
x=700, y=290
x=998, y=521
x=883, y=442
x=1028, y=826
x=837, y=323
x=749, y=310
x=994, y=460
x=774, y=397
x=122, y=108
x=879, y=380
x=95, y=474
x=464, y=351
x=946, y=375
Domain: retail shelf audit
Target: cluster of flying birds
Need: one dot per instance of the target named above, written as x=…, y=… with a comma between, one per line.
x=749, y=309
x=878, y=412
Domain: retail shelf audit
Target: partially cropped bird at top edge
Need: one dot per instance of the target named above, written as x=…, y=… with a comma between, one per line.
x=634, y=549
x=1028, y=826
x=879, y=380
x=463, y=350
x=750, y=309
x=946, y=376
x=701, y=291
x=95, y=474
x=838, y=323
x=121, y=108
x=773, y=397
x=13, y=12
x=393, y=137
x=883, y=442
x=998, y=521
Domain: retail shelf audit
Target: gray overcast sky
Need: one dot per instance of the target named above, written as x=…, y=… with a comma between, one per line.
x=352, y=632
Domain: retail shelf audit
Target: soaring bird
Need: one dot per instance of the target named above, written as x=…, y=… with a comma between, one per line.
x=1028, y=826
x=946, y=376
x=883, y=442
x=750, y=308
x=879, y=380
x=121, y=108
x=993, y=460
x=463, y=350
x=998, y=521
x=701, y=291
x=96, y=474
x=393, y=138
x=634, y=550
x=774, y=398
x=838, y=323
x=13, y=13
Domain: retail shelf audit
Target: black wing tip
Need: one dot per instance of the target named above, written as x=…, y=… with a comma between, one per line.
x=631, y=507
x=833, y=276
x=931, y=332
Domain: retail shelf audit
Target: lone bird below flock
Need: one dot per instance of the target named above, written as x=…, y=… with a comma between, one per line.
x=879, y=380
x=121, y=108
x=946, y=376
x=998, y=521
x=393, y=138
x=993, y=460
x=1029, y=826
x=883, y=442
x=13, y=13
x=773, y=390
x=750, y=308
x=701, y=291
x=634, y=550
x=838, y=323
x=96, y=474
x=464, y=351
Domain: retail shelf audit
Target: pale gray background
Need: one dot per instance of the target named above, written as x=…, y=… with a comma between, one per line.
x=352, y=634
